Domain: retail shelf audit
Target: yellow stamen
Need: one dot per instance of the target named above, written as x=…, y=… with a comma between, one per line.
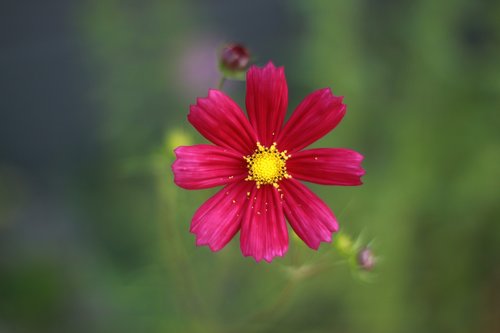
x=267, y=165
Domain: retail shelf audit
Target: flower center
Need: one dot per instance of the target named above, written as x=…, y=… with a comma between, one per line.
x=267, y=165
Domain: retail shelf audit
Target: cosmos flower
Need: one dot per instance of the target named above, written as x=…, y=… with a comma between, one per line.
x=261, y=163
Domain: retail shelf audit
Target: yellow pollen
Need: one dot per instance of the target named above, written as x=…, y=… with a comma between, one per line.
x=267, y=165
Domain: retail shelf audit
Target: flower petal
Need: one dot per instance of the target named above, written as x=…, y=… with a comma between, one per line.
x=205, y=166
x=266, y=101
x=219, y=119
x=264, y=233
x=315, y=116
x=328, y=166
x=218, y=219
x=309, y=216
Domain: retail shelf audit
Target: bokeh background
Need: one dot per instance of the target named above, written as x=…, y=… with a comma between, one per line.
x=94, y=236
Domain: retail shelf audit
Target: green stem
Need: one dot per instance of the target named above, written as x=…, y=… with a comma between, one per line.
x=267, y=315
x=221, y=82
x=177, y=260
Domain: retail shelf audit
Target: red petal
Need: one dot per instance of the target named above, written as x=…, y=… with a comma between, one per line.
x=266, y=101
x=264, y=233
x=205, y=166
x=220, y=120
x=315, y=116
x=309, y=216
x=328, y=166
x=218, y=219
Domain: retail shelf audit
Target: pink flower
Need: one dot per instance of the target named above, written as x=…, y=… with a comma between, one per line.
x=261, y=162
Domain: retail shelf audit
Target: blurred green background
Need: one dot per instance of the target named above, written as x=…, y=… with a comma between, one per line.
x=94, y=236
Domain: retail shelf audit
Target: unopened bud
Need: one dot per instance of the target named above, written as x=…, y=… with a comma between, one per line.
x=177, y=137
x=366, y=259
x=234, y=57
x=344, y=244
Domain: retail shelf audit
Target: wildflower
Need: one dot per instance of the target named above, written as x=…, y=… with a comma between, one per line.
x=261, y=163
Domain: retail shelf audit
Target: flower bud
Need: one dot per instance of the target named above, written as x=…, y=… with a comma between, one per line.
x=345, y=244
x=234, y=57
x=366, y=259
x=177, y=137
